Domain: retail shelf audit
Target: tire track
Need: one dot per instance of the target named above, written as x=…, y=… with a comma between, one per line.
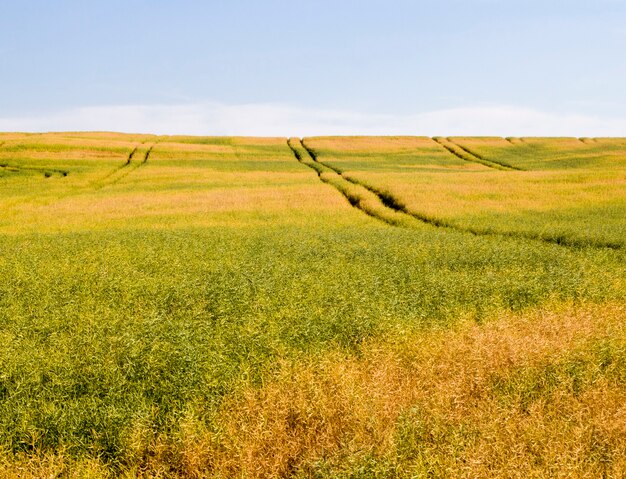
x=130, y=165
x=394, y=204
x=147, y=155
x=465, y=154
x=495, y=163
x=357, y=195
x=124, y=165
x=130, y=168
x=385, y=197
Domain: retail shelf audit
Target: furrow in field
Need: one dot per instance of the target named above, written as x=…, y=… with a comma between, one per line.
x=357, y=195
x=397, y=206
x=467, y=155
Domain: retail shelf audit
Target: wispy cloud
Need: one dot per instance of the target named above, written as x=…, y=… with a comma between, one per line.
x=284, y=120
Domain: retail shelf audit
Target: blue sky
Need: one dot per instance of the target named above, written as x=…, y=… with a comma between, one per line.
x=315, y=67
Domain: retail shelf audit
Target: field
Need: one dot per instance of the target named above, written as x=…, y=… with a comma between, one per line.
x=350, y=307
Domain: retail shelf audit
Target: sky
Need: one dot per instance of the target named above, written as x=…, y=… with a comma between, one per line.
x=292, y=67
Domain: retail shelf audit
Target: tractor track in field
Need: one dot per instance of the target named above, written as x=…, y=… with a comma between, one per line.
x=124, y=165
x=130, y=165
x=357, y=199
x=396, y=206
x=504, y=166
x=385, y=197
x=147, y=155
x=467, y=155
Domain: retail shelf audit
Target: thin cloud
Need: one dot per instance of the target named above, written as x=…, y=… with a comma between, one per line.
x=285, y=120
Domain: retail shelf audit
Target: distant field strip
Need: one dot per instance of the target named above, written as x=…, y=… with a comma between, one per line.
x=543, y=154
x=467, y=155
x=47, y=172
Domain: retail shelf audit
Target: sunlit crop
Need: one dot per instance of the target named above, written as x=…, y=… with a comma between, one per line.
x=333, y=307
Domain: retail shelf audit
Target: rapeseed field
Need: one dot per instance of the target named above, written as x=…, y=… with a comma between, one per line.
x=349, y=307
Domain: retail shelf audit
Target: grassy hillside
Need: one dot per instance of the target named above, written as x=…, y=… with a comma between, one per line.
x=338, y=307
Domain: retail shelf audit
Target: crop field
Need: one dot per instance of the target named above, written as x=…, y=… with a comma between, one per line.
x=562, y=190
x=345, y=307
